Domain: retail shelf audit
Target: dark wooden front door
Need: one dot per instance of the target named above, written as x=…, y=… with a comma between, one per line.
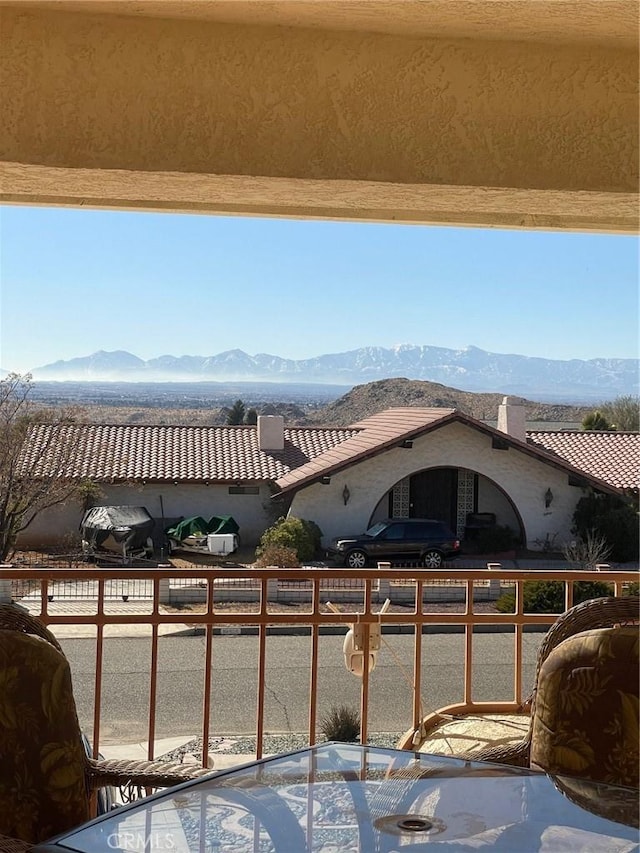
x=433, y=494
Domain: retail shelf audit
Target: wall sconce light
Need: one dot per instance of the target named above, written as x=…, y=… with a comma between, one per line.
x=548, y=498
x=346, y=494
x=407, y=444
x=325, y=480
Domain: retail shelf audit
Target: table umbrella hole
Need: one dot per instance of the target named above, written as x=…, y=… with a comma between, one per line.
x=409, y=824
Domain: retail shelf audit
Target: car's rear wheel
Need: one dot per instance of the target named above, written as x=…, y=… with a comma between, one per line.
x=432, y=560
x=356, y=560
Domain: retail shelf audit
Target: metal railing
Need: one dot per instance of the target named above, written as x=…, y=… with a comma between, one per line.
x=363, y=607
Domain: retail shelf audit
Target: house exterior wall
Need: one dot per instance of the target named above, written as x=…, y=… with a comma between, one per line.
x=491, y=499
x=522, y=477
x=252, y=512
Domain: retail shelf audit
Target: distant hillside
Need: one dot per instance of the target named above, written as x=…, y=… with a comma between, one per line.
x=178, y=404
x=366, y=400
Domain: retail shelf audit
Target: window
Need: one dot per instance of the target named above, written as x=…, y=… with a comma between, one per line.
x=244, y=490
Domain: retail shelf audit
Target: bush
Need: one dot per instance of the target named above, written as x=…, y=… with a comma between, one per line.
x=341, y=723
x=588, y=552
x=302, y=536
x=548, y=596
x=495, y=539
x=278, y=555
x=613, y=518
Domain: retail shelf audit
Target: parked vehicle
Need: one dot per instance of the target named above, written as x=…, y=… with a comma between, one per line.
x=217, y=536
x=399, y=539
x=125, y=530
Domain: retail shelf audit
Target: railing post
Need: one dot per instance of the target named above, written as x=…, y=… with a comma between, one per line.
x=494, y=583
x=384, y=584
x=5, y=587
x=164, y=591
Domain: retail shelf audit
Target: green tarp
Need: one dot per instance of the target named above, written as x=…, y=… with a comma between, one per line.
x=197, y=526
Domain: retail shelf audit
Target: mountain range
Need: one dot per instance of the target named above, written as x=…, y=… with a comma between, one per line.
x=469, y=369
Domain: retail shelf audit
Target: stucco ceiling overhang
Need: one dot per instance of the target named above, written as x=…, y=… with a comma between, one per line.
x=326, y=465
x=502, y=113
x=611, y=22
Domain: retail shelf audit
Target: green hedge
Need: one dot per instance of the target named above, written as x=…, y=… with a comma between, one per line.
x=548, y=596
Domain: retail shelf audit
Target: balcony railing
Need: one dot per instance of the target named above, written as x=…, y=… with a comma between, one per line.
x=327, y=600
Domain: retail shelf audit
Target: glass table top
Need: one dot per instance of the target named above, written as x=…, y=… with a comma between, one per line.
x=343, y=797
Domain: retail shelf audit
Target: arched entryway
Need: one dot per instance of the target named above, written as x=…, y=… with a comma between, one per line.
x=451, y=495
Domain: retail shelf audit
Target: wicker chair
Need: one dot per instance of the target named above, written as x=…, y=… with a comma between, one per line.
x=13, y=845
x=46, y=777
x=596, y=613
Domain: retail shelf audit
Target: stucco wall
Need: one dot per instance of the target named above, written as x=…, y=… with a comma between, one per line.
x=250, y=511
x=522, y=477
x=491, y=499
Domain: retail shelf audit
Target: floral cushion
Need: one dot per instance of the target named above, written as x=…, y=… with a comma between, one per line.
x=42, y=777
x=585, y=718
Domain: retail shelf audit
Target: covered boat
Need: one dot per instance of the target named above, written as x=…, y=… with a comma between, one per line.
x=126, y=529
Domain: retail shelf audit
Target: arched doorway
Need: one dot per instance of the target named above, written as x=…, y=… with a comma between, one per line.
x=450, y=495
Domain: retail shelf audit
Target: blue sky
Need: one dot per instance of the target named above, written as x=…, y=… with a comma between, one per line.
x=77, y=281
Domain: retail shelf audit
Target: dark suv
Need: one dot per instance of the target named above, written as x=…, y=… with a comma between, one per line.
x=398, y=539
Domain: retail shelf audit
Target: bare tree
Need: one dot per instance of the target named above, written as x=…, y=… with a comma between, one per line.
x=623, y=412
x=36, y=453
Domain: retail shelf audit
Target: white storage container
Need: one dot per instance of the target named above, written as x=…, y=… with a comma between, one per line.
x=222, y=543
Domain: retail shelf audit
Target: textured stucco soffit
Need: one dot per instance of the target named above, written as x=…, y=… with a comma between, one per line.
x=507, y=114
x=588, y=21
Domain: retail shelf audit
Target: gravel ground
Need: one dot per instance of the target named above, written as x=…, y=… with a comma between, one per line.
x=280, y=743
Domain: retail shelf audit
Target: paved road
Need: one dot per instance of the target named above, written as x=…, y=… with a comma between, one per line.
x=233, y=708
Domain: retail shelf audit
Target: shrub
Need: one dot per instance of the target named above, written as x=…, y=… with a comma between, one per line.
x=278, y=555
x=548, y=596
x=495, y=539
x=613, y=518
x=302, y=536
x=341, y=723
x=587, y=552
x=597, y=421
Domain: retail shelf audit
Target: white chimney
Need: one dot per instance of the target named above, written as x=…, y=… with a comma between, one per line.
x=512, y=417
x=270, y=432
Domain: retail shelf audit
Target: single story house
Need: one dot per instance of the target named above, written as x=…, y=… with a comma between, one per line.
x=403, y=462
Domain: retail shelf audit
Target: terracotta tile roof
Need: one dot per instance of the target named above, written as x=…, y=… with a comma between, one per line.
x=374, y=435
x=128, y=452
x=167, y=453
x=610, y=456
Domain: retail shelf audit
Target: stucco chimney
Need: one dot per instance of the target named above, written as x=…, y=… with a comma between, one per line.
x=271, y=432
x=512, y=417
